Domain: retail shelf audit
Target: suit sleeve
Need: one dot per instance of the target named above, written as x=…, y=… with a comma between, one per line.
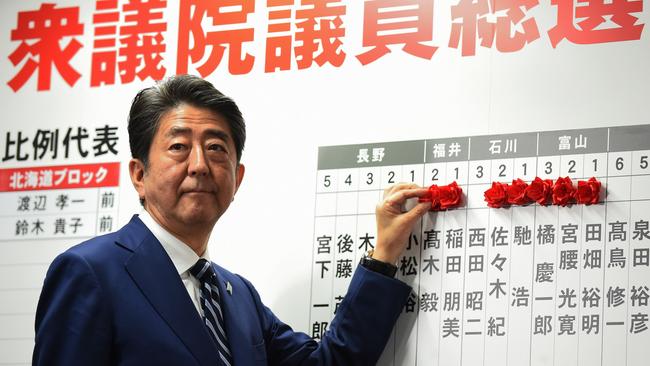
x=356, y=336
x=72, y=320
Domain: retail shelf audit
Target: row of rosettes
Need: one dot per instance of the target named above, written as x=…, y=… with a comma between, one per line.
x=542, y=191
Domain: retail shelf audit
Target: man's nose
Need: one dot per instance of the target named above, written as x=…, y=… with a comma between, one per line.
x=197, y=164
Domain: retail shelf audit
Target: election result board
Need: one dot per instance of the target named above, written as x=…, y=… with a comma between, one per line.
x=520, y=285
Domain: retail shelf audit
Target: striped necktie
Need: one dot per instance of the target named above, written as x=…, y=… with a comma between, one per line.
x=211, y=305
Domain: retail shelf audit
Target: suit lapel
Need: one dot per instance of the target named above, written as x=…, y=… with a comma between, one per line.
x=155, y=275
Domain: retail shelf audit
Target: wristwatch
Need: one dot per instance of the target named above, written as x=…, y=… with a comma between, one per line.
x=387, y=269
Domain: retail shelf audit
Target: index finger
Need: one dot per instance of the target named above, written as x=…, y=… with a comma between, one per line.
x=397, y=187
x=400, y=196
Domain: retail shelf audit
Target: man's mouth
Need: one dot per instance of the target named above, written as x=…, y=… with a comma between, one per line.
x=198, y=191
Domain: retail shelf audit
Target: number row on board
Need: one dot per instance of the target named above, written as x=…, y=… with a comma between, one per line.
x=485, y=171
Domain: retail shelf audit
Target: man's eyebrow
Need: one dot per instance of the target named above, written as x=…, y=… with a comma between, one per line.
x=211, y=132
x=222, y=135
x=177, y=130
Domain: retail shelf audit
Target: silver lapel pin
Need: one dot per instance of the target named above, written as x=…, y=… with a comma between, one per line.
x=228, y=287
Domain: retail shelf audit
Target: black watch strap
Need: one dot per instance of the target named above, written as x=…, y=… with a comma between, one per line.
x=374, y=265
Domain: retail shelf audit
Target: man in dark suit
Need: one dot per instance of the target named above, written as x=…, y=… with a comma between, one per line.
x=148, y=294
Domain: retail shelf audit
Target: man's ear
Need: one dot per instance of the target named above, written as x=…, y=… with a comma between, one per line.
x=239, y=175
x=136, y=172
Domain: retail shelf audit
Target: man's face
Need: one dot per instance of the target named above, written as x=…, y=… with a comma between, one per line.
x=193, y=173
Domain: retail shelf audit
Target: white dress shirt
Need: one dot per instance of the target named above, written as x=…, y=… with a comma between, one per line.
x=182, y=256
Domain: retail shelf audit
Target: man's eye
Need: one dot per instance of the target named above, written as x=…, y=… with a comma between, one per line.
x=176, y=147
x=216, y=147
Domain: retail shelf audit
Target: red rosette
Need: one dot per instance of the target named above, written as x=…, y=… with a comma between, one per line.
x=443, y=197
x=563, y=191
x=496, y=196
x=449, y=196
x=433, y=196
x=588, y=192
x=516, y=192
x=539, y=190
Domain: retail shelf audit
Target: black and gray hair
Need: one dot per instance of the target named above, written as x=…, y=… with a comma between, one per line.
x=151, y=103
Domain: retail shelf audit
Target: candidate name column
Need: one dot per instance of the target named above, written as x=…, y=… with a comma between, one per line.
x=500, y=254
x=324, y=244
x=446, y=162
x=629, y=248
x=579, y=155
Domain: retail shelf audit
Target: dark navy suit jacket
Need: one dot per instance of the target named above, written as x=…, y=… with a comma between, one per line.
x=118, y=300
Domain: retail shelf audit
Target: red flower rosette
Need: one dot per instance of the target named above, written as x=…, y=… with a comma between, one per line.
x=433, y=196
x=516, y=192
x=563, y=191
x=539, y=190
x=449, y=196
x=588, y=191
x=443, y=197
x=496, y=195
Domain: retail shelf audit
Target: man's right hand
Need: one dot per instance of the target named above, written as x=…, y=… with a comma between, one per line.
x=394, y=225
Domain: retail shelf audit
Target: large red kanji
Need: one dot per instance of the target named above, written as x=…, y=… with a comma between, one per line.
x=104, y=58
x=320, y=29
x=142, y=40
x=474, y=21
x=140, y=36
x=388, y=22
x=48, y=26
x=228, y=13
x=279, y=40
x=593, y=15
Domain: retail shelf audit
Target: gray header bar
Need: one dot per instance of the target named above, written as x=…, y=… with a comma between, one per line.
x=515, y=145
x=586, y=141
x=629, y=138
x=546, y=143
x=366, y=155
x=444, y=150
